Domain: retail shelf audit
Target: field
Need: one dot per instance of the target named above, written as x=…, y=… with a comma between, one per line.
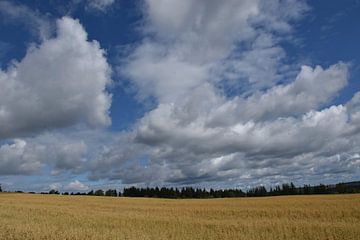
x=26, y=216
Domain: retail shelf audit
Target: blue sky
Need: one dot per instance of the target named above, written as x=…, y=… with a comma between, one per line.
x=98, y=93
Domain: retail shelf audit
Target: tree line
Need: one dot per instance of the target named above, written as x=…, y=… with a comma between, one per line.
x=190, y=192
x=259, y=191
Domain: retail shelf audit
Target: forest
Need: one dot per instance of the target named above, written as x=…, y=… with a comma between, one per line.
x=191, y=192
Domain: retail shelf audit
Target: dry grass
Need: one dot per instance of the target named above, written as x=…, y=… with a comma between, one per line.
x=24, y=216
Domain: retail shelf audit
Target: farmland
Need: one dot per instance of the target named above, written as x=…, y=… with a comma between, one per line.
x=30, y=216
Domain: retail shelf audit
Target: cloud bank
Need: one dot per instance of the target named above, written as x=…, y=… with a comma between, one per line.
x=230, y=108
x=275, y=126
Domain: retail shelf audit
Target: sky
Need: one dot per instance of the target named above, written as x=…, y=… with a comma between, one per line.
x=222, y=94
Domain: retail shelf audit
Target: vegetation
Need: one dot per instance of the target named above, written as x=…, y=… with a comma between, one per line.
x=318, y=217
x=260, y=191
x=190, y=192
x=187, y=192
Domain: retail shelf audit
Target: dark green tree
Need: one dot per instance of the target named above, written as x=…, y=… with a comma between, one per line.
x=99, y=192
x=111, y=193
x=259, y=191
x=53, y=191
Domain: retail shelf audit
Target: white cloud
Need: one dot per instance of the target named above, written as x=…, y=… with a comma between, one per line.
x=277, y=125
x=70, y=155
x=190, y=43
x=91, y=6
x=311, y=90
x=54, y=152
x=60, y=83
x=198, y=132
x=55, y=186
x=20, y=158
x=284, y=137
x=37, y=24
x=76, y=186
x=297, y=149
x=100, y=5
x=168, y=78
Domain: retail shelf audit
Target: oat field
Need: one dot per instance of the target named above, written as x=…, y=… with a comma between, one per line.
x=26, y=216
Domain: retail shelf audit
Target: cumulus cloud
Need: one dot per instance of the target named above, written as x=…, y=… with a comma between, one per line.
x=55, y=186
x=62, y=82
x=38, y=25
x=101, y=5
x=20, y=158
x=60, y=152
x=230, y=110
x=70, y=155
x=311, y=90
x=76, y=186
x=276, y=126
x=192, y=152
x=189, y=43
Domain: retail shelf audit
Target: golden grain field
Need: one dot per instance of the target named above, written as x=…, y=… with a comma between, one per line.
x=27, y=216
